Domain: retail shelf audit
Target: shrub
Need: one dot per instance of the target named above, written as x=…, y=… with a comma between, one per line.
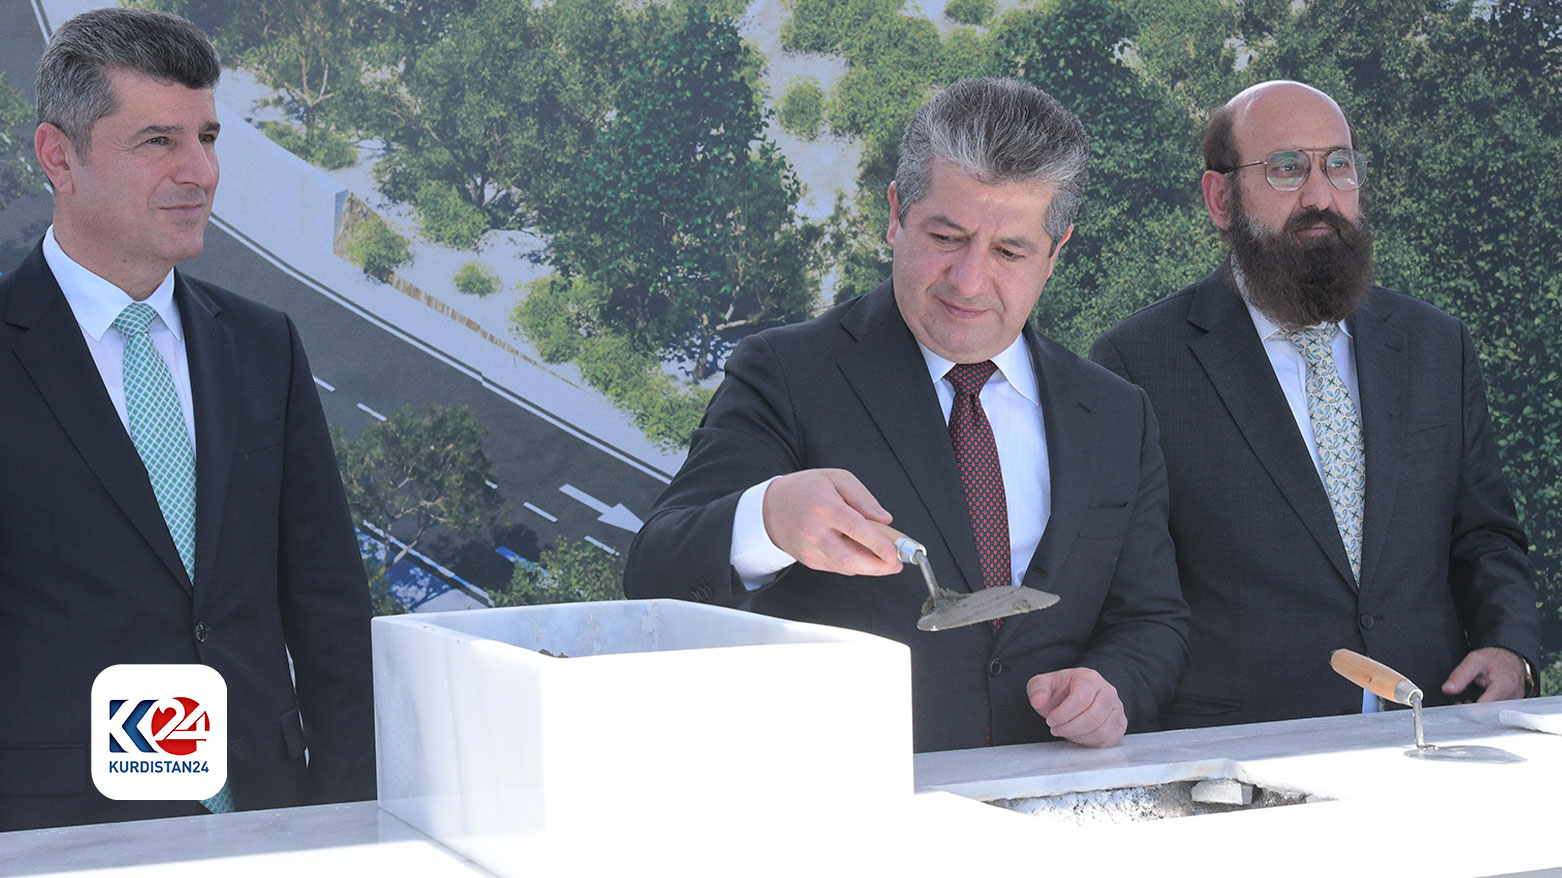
x=476, y=279
x=328, y=149
x=802, y=107
x=377, y=248
x=445, y=218
x=970, y=11
x=556, y=315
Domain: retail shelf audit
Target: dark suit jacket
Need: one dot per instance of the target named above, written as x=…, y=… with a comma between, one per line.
x=1444, y=568
x=850, y=390
x=89, y=576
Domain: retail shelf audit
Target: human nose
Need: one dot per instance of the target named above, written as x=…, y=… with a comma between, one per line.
x=1317, y=191
x=198, y=164
x=969, y=271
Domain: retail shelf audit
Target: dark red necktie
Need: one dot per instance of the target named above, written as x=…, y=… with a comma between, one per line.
x=977, y=455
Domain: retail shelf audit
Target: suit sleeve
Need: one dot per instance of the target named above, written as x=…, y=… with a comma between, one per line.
x=324, y=598
x=749, y=433
x=1140, y=644
x=1488, y=566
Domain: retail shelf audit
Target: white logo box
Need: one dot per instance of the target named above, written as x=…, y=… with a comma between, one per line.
x=665, y=720
x=154, y=713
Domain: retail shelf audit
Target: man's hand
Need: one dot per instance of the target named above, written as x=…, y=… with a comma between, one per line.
x=1079, y=705
x=824, y=518
x=1498, y=670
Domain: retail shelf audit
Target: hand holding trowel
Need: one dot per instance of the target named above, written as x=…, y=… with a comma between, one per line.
x=1385, y=682
x=948, y=609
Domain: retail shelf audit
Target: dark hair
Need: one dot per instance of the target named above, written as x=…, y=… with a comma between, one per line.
x=997, y=131
x=73, y=87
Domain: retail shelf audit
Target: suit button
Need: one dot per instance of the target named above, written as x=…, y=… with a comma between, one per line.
x=996, y=667
x=200, y=632
x=1366, y=620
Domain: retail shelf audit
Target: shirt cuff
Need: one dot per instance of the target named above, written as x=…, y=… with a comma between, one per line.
x=755, y=558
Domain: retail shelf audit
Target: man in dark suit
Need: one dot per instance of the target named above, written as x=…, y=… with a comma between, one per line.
x=868, y=414
x=168, y=492
x=1334, y=478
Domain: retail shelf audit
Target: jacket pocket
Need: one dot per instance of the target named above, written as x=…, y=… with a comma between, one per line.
x=42, y=770
x=1201, y=706
x=251, y=438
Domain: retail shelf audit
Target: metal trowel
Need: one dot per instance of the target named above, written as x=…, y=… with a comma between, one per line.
x=945, y=609
x=1385, y=682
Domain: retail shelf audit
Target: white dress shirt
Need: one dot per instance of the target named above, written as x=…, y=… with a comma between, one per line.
x=1291, y=371
x=96, y=303
x=1012, y=401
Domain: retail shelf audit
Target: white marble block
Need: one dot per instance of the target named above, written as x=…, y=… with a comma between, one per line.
x=664, y=716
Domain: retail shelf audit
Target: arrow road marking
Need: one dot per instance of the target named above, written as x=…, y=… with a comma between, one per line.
x=617, y=515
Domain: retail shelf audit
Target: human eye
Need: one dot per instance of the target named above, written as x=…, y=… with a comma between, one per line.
x=1286, y=165
x=1009, y=255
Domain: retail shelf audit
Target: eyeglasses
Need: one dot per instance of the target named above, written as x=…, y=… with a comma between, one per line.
x=1288, y=170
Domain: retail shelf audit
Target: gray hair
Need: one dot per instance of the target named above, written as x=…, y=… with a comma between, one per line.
x=73, y=87
x=997, y=131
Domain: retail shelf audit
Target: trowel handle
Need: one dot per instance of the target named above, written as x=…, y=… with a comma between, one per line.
x=906, y=548
x=1374, y=676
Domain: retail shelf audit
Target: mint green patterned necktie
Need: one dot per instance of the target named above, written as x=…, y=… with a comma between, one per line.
x=1337, y=431
x=157, y=428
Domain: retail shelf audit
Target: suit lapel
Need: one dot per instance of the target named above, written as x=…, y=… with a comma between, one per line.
x=1234, y=359
x=1381, y=376
x=56, y=358
x=886, y=371
x=213, y=376
x=1070, y=426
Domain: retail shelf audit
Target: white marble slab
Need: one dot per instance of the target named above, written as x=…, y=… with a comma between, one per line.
x=1388, y=816
x=660, y=716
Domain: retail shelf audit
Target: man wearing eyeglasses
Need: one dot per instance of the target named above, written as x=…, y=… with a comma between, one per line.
x=1334, y=478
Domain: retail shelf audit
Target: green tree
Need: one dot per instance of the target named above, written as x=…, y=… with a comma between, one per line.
x=682, y=210
x=498, y=108
x=569, y=571
x=308, y=50
x=420, y=470
x=1142, y=231
x=970, y=11
x=802, y=107
x=18, y=177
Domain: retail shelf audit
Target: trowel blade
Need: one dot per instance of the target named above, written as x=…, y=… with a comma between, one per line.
x=1463, y=753
x=950, y=609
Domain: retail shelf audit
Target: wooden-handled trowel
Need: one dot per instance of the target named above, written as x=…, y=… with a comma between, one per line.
x=1385, y=682
x=945, y=609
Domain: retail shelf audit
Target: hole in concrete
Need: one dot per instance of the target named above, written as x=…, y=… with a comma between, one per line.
x=1153, y=802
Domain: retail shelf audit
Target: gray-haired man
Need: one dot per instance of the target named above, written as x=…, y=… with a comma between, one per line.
x=930, y=403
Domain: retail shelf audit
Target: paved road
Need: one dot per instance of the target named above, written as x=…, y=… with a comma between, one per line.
x=369, y=370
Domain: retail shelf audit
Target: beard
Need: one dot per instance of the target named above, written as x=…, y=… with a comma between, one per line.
x=1297, y=281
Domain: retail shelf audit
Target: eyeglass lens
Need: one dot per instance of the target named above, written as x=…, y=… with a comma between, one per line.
x=1287, y=171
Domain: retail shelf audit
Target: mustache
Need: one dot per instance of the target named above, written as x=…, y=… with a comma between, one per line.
x=1308, y=217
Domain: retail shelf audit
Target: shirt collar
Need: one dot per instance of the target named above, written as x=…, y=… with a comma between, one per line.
x=97, y=302
x=1267, y=328
x=1014, y=362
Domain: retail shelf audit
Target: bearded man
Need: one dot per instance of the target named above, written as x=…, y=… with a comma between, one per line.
x=1333, y=475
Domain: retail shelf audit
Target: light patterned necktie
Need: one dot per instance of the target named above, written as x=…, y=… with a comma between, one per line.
x=157, y=428
x=1337, y=431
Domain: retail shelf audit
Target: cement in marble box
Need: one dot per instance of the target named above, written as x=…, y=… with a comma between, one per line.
x=662, y=713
